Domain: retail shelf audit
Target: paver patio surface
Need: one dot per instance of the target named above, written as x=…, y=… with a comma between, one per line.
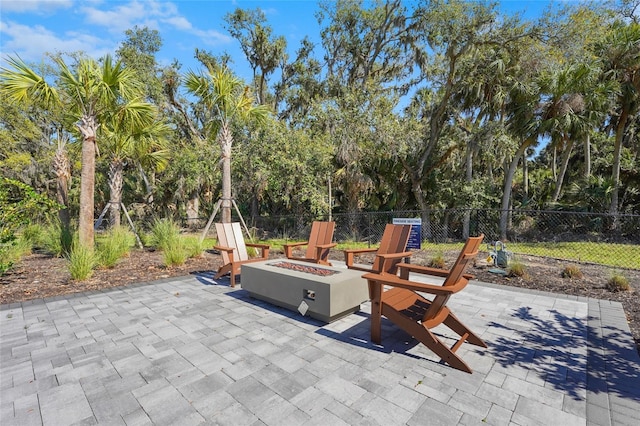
x=191, y=351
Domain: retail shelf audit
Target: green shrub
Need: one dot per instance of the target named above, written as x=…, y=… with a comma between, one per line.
x=572, y=271
x=618, y=282
x=437, y=261
x=164, y=232
x=34, y=234
x=10, y=253
x=517, y=269
x=193, y=246
x=57, y=240
x=115, y=244
x=174, y=254
x=82, y=261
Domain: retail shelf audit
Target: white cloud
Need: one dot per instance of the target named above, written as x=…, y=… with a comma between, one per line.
x=38, y=6
x=31, y=42
x=153, y=14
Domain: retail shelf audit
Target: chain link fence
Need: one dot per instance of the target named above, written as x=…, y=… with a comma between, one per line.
x=598, y=238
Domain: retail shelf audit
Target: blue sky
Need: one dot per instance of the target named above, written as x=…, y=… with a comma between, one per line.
x=29, y=28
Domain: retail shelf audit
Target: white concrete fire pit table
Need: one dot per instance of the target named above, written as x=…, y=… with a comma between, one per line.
x=322, y=292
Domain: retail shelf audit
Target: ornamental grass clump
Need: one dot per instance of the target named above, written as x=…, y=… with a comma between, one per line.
x=114, y=245
x=164, y=232
x=174, y=253
x=82, y=261
x=618, y=282
x=437, y=261
x=572, y=271
x=517, y=269
x=193, y=246
x=57, y=240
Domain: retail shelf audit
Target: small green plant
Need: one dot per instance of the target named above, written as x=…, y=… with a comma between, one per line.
x=34, y=234
x=193, y=247
x=57, y=240
x=82, y=261
x=517, y=269
x=174, y=254
x=164, y=232
x=572, y=271
x=114, y=245
x=618, y=282
x=437, y=261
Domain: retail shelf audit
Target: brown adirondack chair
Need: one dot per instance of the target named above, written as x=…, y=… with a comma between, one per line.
x=318, y=245
x=415, y=314
x=389, y=254
x=234, y=250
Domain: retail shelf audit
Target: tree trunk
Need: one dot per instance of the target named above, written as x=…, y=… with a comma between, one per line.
x=193, y=209
x=587, y=156
x=115, y=192
x=226, y=141
x=568, y=145
x=525, y=173
x=469, y=179
x=615, y=173
x=62, y=170
x=88, y=128
x=508, y=183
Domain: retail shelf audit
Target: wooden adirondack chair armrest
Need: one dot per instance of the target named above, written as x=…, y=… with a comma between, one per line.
x=387, y=258
x=229, y=251
x=395, y=281
x=288, y=247
x=349, y=254
x=258, y=245
x=405, y=268
x=263, y=247
x=327, y=246
x=223, y=248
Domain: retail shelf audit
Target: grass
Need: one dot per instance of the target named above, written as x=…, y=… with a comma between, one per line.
x=618, y=282
x=174, y=253
x=163, y=234
x=82, y=261
x=113, y=245
x=614, y=255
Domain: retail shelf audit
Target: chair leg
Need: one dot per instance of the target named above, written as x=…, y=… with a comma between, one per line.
x=375, y=292
x=426, y=337
x=454, y=324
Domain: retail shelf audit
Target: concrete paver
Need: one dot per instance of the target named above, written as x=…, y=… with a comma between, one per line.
x=191, y=351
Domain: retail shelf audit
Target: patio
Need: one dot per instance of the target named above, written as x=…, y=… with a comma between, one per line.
x=191, y=351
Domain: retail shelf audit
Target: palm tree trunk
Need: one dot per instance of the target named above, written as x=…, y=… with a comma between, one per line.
x=88, y=128
x=568, y=145
x=62, y=170
x=615, y=173
x=226, y=141
x=469, y=178
x=508, y=183
x=115, y=192
x=587, y=156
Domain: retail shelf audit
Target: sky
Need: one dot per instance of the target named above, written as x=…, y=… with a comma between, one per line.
x=29, y=28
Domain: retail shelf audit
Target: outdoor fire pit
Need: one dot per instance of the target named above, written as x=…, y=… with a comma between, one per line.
x=322, y=292
x=323, y=272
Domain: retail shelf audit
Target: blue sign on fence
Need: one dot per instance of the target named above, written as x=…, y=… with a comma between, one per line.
x=416, y=230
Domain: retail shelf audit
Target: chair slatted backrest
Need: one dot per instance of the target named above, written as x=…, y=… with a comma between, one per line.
x=394, y=240
x=321, y=233
x=230, y=235
x=467, y=254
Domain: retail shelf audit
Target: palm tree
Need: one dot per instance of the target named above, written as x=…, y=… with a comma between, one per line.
x=620, y=53
x=90, y=91
x=226, y=99
x=128, y=143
